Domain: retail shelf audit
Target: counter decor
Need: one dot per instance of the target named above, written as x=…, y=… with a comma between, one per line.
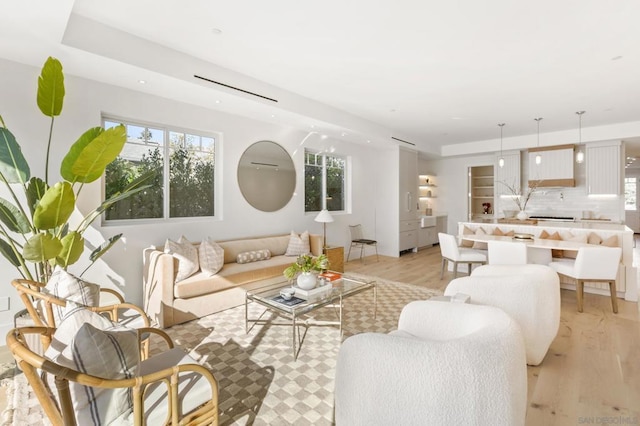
x=521, y=199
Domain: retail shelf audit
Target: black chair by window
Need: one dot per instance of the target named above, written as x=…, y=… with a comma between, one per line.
x=358, y=240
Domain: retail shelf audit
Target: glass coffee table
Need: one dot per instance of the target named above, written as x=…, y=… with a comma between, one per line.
x=294, y=309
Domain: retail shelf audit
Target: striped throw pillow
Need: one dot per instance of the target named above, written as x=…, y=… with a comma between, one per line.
x=298, y=244
x=64, y=285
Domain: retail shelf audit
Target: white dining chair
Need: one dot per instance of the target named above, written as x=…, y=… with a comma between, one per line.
x=592, y=264
x=507, y=253
x=454, y=254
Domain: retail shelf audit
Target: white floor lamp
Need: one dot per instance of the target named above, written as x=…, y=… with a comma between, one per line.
x=324, y=217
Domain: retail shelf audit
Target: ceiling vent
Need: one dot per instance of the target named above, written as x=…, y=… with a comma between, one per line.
x=401, y=140
x=235, y=88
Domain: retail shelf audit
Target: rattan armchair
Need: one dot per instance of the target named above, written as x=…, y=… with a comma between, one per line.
x=172, y=388
x=40, y=305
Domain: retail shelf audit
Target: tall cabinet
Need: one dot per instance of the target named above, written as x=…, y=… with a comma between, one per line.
x=480, y=192
x=408, y=200
x=604, y=165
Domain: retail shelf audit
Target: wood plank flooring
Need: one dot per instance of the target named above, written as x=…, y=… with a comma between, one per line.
x=591, y=374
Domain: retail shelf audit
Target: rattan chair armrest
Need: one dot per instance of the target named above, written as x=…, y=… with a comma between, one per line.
x=23, y=282
x=113, y=292
x=150, y=330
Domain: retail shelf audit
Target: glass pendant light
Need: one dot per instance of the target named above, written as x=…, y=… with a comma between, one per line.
x=501, y=160
x=538, y=156
x=580, y=153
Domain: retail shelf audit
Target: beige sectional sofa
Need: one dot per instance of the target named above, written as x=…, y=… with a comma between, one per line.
x=168, y=303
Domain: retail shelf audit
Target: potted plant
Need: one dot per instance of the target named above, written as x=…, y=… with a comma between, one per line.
x=521, y=199
x=35, y=234
x=305, y=266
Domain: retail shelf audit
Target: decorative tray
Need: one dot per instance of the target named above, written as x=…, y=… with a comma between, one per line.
x=523, y=236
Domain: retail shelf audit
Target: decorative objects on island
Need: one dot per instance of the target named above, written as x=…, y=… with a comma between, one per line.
x=35, y=226
x=306, y=265
x=486, y=208
x=521, y=199
x=324, y=217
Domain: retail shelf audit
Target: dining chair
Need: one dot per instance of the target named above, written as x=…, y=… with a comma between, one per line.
x=169, y=388
x=452, y=253
x=507, y=253
x=592, y=264
x=357, y=240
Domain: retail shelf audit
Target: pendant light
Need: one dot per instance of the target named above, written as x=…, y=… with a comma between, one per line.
x=580, y=154
x=501, y=160
x=538, y=156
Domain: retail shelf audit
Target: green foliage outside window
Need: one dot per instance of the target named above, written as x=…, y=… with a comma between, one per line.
x=335, y=182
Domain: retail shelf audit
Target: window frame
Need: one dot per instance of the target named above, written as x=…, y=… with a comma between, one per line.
x=346, y=179
x=166, y=155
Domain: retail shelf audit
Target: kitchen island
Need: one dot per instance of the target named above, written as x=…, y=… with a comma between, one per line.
x=626, y=282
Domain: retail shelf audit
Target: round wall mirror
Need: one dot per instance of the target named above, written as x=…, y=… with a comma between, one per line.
x=266, y=176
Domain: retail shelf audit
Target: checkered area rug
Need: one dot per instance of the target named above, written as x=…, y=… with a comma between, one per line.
x=259, y=381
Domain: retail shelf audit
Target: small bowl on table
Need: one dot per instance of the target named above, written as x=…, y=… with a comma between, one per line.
x=287, y=293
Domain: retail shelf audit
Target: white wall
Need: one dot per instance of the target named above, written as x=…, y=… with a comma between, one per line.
x=121, y=267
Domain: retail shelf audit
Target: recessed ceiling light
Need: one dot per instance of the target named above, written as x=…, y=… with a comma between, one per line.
x=344, y=134
x=313, y=126
x=216, y=31
x=615, y=58
x=142, y=81
x=217, y=101
x=368, y=141
x=324, y=137
x=273, y=116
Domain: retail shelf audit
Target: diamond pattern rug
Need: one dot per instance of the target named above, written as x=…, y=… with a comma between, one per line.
x=259, y=381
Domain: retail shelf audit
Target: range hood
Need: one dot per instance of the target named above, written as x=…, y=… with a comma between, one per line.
x=555, y=169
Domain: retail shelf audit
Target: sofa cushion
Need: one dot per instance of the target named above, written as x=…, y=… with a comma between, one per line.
x=298, y=244
x=187, y=256
x=544, y=235
x=210, y=256
x=253, y=256
x=612, y=241
x=276, y=245
x=467, y=243
x=232, y=275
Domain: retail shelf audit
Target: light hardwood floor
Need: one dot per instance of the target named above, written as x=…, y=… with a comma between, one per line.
x=591, y=374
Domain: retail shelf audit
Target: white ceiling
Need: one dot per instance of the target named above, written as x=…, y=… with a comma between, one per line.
x=430, y=72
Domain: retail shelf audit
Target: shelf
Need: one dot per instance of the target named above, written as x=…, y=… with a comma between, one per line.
x=483, y=177
x=483, y=187
x=488, y=197
x=433, y=196
x=427, y=186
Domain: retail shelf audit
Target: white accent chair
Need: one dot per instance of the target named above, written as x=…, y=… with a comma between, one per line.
x=447, y=364
x=506, y=253
x=530, y=294
x=454, y=254
x=592, y=264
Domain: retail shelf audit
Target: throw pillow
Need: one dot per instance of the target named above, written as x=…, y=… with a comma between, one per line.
x=187, y=256
x=253, y=256
x=466, y=243
x=298, y=244
x=64, y=285
x=110, y=354
x=612, y=241
x=499, y=232
x=544, y=235
x=210, y=257
x=594, y=238
x=478, y=245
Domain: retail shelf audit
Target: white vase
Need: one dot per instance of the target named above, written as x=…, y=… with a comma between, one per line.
x=522, y=215
x=306, y=280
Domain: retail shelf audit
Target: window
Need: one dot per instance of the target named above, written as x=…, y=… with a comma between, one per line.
x=183, y=167
x=324, y=181
x=630, y=191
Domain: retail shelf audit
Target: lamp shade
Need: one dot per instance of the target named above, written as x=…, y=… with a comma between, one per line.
x=324, y=216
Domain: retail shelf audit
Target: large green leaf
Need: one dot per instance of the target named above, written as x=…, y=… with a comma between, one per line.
x=13, y=165
x=104, y=247
x=89, y=156
x=72, y=248
x=55, y=207
x=13, y=218
x=9, y=254
x=51, y=88
x=35, y=190
x=41, y=247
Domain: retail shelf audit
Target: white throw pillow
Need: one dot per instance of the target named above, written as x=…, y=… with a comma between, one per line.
x=187, y=256
x=211, y=257
x=64, y=285
x=298, y=244
x=96, y=347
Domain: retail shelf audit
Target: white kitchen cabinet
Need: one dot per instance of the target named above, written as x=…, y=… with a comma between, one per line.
x=441, y=225
x=555, y=168
x=632, y=220
x=604, y=162
x=408, y=200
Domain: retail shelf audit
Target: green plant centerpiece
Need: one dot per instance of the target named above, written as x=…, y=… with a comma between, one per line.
x=306, y=263
x=35, y=235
